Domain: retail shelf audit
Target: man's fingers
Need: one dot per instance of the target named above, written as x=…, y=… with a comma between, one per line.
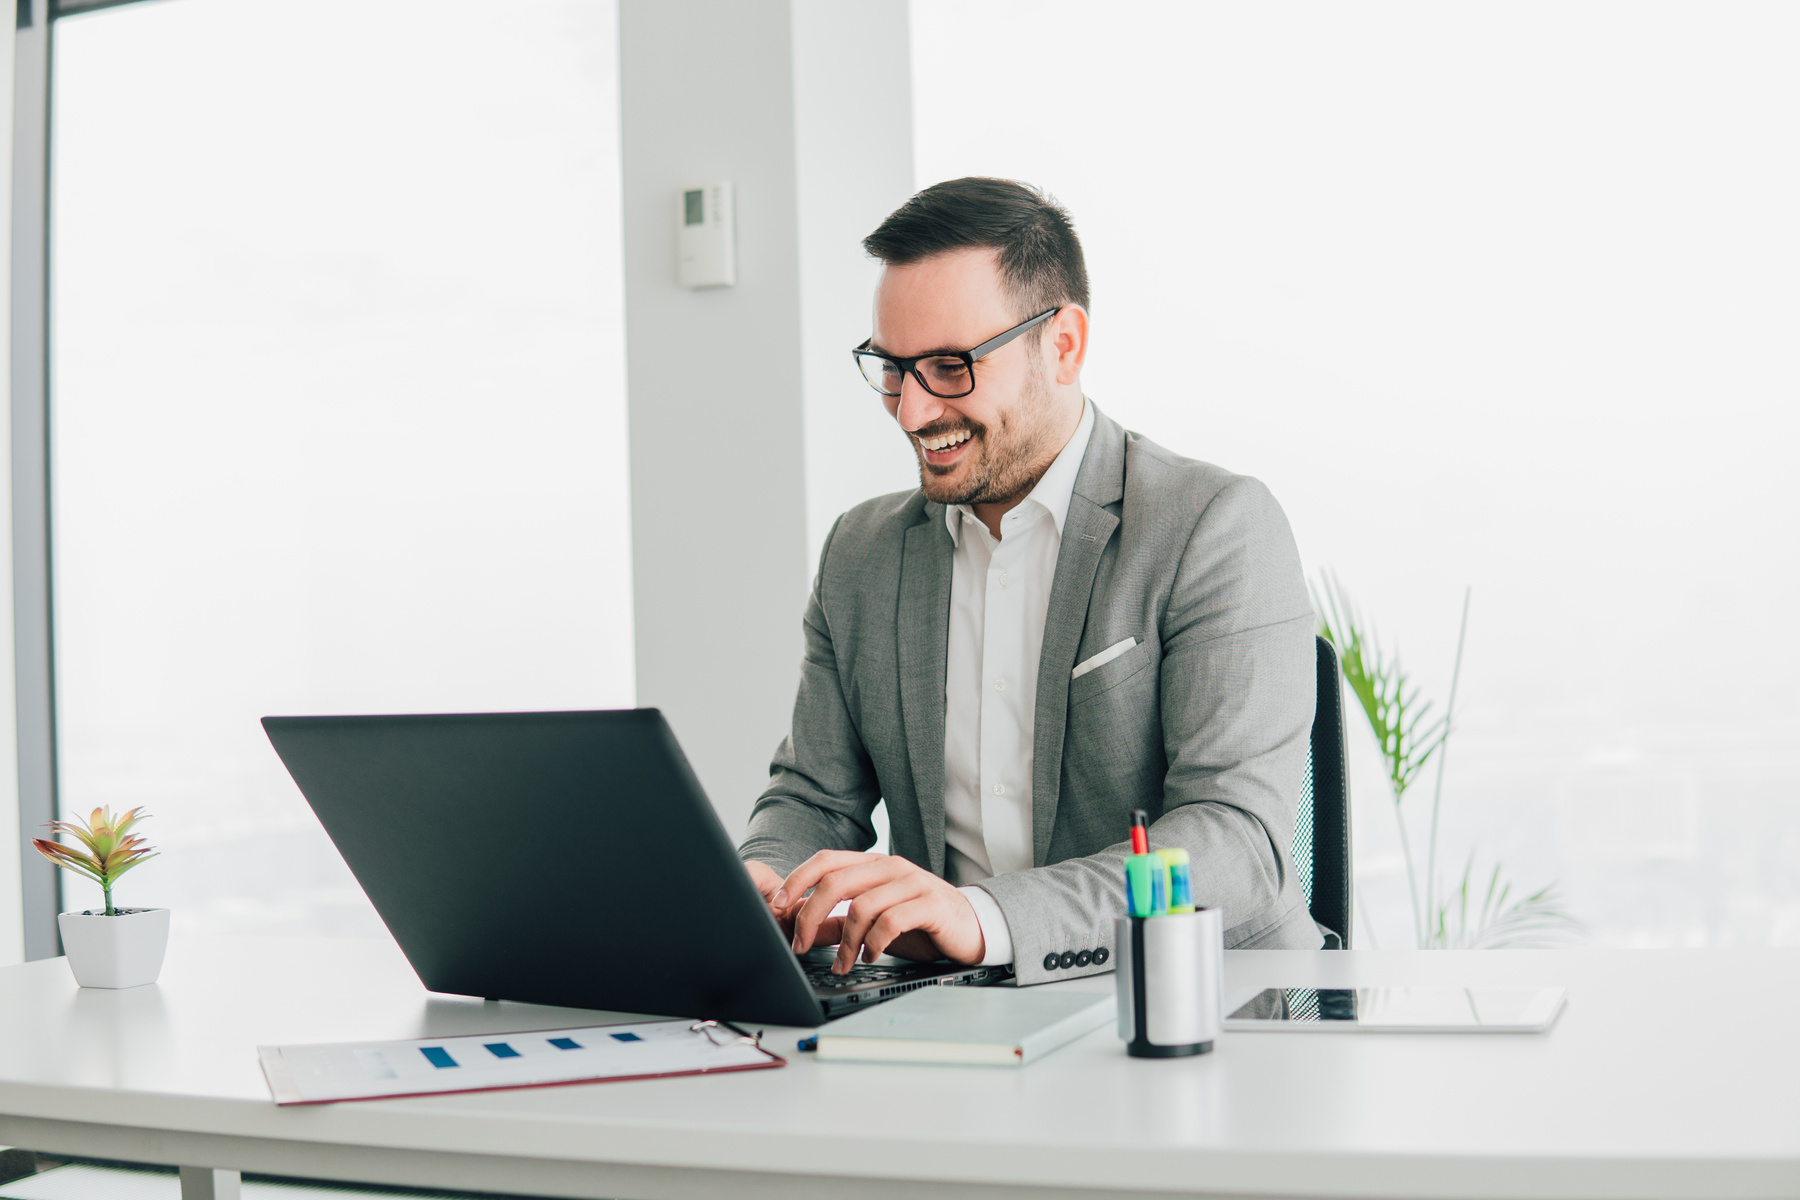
x=766, y=880
x=829, y=932
x=904, y=917
x=842, y=884
x=916, y=945
x=865, y=909
x=808, y=873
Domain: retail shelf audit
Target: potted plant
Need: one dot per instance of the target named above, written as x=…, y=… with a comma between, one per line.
x=116, y=947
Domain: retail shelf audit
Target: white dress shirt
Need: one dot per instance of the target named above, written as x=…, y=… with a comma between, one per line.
x=999, y=596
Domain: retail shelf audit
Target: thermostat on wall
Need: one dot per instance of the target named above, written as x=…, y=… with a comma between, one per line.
x=706, y=237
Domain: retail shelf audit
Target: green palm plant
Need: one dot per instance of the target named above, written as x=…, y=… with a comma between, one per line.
x=109, y=848
x=1408, y=739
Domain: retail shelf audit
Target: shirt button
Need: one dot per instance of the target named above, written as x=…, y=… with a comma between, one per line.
x=999, y=685
x=999, y=789
x=1003, y=579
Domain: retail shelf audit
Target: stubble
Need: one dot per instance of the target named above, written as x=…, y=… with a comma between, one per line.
x=1007, y=457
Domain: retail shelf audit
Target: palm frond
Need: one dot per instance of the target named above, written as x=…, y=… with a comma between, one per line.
x=1499, y=922
x=1409, y=736
x=1404, y=731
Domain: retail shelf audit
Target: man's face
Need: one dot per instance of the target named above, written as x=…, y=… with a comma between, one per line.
x=991, y=445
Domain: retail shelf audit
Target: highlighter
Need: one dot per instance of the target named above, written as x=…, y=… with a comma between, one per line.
x=1146, y=886
x=1146, y=876
x=1181, y=883
x=1143, y=879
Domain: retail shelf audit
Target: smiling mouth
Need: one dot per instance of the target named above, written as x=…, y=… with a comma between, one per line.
x=948, y=441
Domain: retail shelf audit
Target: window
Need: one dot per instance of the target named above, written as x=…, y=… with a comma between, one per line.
x=338, y=406
x=1488, y=297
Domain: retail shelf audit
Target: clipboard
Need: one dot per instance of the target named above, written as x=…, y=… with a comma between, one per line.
x=331, y=1072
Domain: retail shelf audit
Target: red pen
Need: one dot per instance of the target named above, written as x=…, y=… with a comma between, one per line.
x=1140, y=831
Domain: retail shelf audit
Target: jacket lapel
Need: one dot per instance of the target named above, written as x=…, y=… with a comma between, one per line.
x=924, y=629
x=1086, y=531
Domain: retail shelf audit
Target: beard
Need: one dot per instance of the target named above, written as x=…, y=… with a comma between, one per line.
x=1005, y=461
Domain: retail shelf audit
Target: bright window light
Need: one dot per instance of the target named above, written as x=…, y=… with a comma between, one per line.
x=338, y=406
x=1490, y=296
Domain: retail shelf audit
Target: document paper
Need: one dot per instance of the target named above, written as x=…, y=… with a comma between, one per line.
x=318, y=1074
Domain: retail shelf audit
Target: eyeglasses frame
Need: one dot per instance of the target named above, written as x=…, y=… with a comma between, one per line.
x=910, y=366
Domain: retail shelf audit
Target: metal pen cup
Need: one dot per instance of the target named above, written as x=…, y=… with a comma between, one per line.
x=1171, y=982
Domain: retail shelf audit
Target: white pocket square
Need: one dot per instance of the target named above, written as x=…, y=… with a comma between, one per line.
x=1105, y=656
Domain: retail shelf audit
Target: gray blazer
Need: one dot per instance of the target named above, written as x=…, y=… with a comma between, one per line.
x=1204, y=723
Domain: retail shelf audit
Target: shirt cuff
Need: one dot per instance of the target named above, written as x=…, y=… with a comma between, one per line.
x=994, y=929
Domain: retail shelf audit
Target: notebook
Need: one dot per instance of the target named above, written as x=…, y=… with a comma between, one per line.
x=993, y=1026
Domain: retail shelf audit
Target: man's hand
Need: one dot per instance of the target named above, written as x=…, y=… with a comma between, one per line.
x=896, y=907
x=766, y=880
x=769, y=884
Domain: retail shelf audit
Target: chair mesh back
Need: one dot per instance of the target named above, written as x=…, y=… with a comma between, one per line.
x=1303, y=831
x=1322, y=827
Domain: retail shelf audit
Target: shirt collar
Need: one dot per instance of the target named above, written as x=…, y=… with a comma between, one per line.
x=1053, y=491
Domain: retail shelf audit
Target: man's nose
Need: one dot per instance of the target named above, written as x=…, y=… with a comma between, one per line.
x=916, y=408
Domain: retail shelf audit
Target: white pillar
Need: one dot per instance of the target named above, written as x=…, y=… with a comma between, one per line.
x=735, y=407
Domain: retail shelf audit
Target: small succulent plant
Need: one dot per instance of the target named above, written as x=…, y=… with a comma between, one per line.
x=111, y=848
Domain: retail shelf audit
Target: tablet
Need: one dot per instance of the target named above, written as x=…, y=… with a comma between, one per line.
x=1401, y=1010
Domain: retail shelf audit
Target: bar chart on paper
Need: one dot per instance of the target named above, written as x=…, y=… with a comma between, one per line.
x=319, y=1074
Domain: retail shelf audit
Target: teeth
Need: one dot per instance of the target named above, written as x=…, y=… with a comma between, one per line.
x=945, y=442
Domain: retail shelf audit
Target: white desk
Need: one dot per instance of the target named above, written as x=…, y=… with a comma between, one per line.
x=1672, y=1073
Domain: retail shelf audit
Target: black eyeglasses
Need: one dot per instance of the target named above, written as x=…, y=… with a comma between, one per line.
x=948, y=375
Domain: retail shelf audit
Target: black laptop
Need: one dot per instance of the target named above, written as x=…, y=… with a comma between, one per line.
x=565, y=858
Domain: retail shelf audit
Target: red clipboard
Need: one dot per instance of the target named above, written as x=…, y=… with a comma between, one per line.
x=337, y=1072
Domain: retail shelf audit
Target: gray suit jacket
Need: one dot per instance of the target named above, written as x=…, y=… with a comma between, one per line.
x=1204, y=723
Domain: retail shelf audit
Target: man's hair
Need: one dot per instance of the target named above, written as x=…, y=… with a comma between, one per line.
x=1041, y=264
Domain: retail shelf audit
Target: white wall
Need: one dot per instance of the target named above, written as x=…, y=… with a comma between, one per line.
x=745, y=438
x=713, y=379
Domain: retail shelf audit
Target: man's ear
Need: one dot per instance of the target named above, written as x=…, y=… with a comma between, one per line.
x=1068, y=341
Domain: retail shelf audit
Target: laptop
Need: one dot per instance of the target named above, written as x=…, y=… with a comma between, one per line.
x=566, y=858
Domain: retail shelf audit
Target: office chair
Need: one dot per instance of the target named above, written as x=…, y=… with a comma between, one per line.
x=1322, y=829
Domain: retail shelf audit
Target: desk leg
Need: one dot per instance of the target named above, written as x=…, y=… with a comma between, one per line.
x=208, y=1183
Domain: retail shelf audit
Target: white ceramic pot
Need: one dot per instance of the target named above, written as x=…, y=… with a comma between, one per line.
x=120, y=951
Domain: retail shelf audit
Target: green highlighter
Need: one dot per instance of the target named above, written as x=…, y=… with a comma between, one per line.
x=1178, y=883
x=1146, y=879
x=1146, y=885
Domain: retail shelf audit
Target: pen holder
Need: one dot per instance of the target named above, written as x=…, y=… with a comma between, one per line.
x=1171, y=982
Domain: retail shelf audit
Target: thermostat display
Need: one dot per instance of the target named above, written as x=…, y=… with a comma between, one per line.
x=706, y=237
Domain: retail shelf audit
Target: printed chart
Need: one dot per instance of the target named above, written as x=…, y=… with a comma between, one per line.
x=318, y=1074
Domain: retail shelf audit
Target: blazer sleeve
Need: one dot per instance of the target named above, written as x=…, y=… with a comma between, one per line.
x=822, y=786
x=1236, y=688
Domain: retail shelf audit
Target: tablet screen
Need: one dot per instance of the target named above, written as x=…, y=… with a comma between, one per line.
x=1400, y=1008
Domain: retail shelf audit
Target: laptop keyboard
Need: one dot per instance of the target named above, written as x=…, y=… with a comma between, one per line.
x=819, y=974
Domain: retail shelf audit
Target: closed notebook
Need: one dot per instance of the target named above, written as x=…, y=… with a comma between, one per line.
x=1001, y=1026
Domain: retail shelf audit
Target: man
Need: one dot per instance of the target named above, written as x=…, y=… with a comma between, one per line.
x=1064, y=622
